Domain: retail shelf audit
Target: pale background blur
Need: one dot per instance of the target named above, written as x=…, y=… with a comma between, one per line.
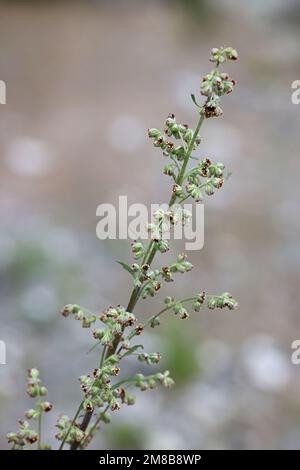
x=85, y=79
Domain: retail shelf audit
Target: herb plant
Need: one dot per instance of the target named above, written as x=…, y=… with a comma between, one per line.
x=116, y=329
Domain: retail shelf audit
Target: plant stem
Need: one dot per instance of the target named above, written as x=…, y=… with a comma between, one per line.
x=93, y=429
x=148, y=258
x=40, y=430
x=70, y=427
x=187, y=156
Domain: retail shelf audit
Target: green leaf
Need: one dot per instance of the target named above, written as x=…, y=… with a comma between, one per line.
x=127, y=267
x=133, y=349
x=194, y=100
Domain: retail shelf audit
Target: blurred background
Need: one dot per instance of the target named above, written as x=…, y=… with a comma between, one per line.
x=85, y=79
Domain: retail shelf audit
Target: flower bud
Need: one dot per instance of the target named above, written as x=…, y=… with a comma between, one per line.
x=137, y=250
x=130, y=400
x=169, y=301
x=231, y=54
x=88, y=405
x=32, y=437
x=231, y=304
x=163, y=246
x=33, y=373
x=211, y=304
x=154, y=133
x=31, y=414
x=46, y=406
x=114, y=405
x=177, y=190
x=98, y=334
x=179, y=152
x=12, y=437
x=155, y=322
x=201, y=297
x=184, y=315
x=194, y=192
x=188, y=136
x=169, y=170
x=151, y=384
x=209, y=189
x=43, y=391
x=170, y=121
x=33, y=391
x=217, y=182
x=212, y=111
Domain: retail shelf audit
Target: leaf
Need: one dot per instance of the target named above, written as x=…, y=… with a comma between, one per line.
x=133, y=349
x=194, y=100
x=126, y=267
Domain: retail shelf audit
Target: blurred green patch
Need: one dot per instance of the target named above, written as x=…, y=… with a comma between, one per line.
x=180, y=352
x=35, y=271
x=29, y=261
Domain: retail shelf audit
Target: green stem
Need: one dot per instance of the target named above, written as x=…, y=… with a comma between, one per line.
x=70, y=427
x=40, y=429
x=187, y=155
x=102, y=357
x=93, y=428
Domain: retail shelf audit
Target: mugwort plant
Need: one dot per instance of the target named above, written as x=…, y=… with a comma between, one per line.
x=115, y=330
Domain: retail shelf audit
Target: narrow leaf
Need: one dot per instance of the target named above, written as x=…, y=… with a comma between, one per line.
x=133, y=349
x=194, y=100
x=126, y=267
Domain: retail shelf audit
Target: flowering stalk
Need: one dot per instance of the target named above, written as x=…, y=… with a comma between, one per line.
x=117, y=326
x=26, y=435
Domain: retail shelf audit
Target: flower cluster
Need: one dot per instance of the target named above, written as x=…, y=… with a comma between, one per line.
x=161, y=226
x=150, y=280
x=115, y=319
x=26, y=435
x=151, y=381
x=98, y=388
x=150, y=358
x=216, y=84
x=80, y=314
x=138, y=249
x=224, y=300
x=176, y=131
x=68, y=431
x=207, y=176
x=221, y=54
